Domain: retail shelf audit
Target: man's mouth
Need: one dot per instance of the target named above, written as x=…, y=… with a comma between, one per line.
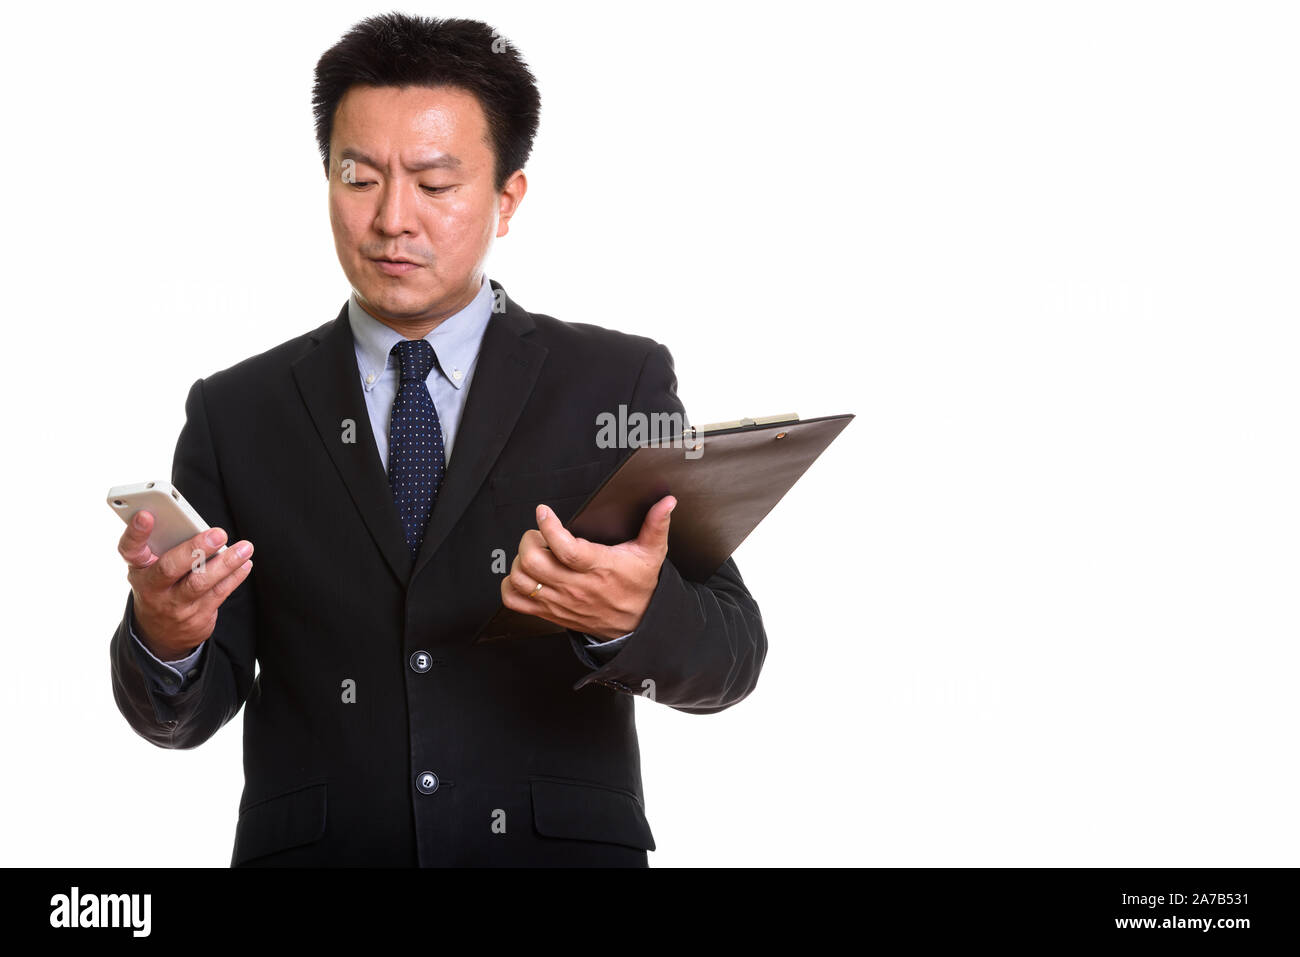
x=395, y=267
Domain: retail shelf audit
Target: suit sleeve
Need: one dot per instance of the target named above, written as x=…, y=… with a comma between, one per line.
x=700, y=645
x=213, y=693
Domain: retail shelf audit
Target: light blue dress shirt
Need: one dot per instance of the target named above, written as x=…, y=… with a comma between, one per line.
x=455, y=342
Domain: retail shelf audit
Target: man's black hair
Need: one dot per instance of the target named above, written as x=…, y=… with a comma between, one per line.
x=395, y=49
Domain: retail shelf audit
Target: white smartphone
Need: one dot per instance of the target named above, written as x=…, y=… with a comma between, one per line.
x=175, y=520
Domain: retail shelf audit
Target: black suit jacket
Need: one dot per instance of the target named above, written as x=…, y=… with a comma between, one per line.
x=531, y=754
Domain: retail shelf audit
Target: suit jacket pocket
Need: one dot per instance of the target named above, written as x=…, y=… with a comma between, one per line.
x=589, y=812
x=280, y=822
x=539, y=487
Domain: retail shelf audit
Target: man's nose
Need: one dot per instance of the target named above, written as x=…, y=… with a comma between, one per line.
x=396, y=210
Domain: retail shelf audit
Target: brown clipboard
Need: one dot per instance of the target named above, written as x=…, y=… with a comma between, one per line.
x=726, y=478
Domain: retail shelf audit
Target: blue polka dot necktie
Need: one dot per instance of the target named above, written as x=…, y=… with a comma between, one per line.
x=415, y=455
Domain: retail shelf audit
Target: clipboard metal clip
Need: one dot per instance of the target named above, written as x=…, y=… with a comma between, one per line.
x=788, y=418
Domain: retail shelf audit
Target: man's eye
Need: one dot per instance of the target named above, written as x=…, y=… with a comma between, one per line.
x=430, y=189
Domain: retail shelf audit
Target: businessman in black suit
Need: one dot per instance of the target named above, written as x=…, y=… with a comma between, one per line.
x=385, y=464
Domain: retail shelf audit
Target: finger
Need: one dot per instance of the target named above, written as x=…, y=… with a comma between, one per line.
x=513, y=600
x=532, y=539
x=519, y=584
x=133, y=546
x=516, y=600
x=575, y=553
x=654, y=530
x=213, y=570
x=222, y=589
x=539, y=567
x=538, y=561
x=175, y=563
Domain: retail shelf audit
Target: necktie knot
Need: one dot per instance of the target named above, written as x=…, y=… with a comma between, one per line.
x=416, y=359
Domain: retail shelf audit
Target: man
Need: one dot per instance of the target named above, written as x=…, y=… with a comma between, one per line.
x=377, y=732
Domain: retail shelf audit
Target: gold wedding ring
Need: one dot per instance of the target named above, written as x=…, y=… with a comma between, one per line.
x=533, y=593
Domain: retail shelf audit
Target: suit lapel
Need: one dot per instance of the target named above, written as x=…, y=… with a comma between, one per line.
x=508, y=366
x=330, y=384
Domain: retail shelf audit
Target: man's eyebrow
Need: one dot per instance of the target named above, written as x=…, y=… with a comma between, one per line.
x=436, y=161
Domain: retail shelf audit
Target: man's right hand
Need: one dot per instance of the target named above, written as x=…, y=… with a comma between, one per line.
x=175, y=606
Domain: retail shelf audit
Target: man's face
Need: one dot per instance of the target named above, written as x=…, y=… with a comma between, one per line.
x=411, y=177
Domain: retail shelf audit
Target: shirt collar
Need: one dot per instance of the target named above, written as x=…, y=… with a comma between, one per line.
x=455, y=340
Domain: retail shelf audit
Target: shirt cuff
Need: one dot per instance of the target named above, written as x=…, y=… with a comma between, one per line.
x=611, y=643
x=593, y=652
x=169, y=675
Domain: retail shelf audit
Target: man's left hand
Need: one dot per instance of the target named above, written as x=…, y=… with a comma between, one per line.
x=602, y=590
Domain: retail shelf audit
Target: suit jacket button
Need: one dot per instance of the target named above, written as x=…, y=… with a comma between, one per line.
x=421, y=662
x=426, y=782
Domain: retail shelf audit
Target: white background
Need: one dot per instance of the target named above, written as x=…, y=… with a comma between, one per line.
x=1036, y=606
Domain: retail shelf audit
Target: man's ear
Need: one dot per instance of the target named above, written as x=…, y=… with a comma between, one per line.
x=512, y=194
